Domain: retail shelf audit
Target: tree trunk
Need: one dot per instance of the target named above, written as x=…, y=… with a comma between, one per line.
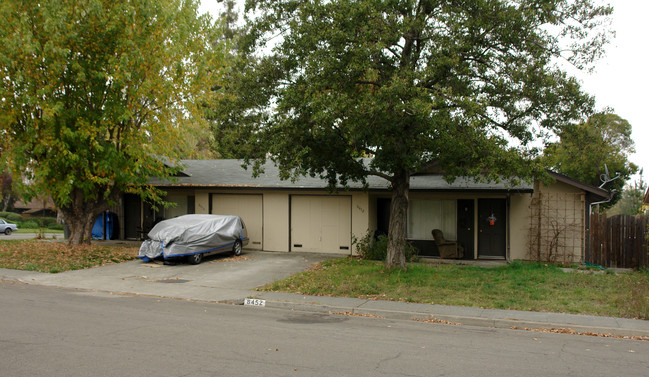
x=5, y=203
x=398, y=217
x=80, y=215
x=80, y=229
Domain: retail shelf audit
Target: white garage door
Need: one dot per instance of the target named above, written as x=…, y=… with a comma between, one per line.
x=249, y=208
x=321, y=224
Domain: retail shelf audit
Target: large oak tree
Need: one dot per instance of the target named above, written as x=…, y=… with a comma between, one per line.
x=93, y=94
x=464, y=85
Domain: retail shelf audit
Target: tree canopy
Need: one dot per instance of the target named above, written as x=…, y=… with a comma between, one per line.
x=93, y=94
x=464, y=85
x=585, y=148
x=632, y=198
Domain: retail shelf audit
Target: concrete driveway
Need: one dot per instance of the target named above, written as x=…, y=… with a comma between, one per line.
x=218, y=278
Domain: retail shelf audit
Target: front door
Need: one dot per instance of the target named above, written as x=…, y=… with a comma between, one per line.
x=132, y=217
x=466, y=226
x=492, y=228
x=383, y=215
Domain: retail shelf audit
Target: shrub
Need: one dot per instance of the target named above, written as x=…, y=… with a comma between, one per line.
x=29, y=224
x=376, y=248
x=11, y=217
x=45, y=222
x=55, y=226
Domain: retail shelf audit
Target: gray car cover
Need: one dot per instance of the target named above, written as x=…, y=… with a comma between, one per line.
x=192, y=234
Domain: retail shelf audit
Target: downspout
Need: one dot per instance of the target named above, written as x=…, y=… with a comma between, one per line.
x=610, y=197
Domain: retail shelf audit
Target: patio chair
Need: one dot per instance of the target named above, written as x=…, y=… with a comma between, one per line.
x=447, y=249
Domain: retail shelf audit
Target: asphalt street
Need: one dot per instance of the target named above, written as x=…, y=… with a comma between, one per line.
x=47, y=331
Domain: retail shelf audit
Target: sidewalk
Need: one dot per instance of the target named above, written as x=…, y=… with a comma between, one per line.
x=227, y=281
x=458, y=315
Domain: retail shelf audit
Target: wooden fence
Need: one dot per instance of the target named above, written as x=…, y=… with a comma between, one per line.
x=618, y=241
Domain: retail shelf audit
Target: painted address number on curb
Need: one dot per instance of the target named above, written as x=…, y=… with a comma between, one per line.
x=254, y=302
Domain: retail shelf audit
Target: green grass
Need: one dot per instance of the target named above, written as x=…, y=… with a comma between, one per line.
x=53, y=257
x=37, y=230
x=519, y=286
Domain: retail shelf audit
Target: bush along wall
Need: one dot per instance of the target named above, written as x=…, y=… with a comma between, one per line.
x=24, y=222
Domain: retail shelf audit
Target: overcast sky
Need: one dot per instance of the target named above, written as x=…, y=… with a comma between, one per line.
x=621, y=79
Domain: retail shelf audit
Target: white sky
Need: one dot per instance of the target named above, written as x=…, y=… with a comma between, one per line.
x=620, y=79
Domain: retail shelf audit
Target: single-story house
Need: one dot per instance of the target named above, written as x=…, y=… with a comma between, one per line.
x=490, y=220
x=37, y=207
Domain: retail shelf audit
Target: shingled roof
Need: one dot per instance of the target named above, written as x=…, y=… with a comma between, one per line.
x=231, y=174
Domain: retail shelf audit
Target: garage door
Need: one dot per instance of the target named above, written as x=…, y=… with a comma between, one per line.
x=321, y=224
x=249, y=208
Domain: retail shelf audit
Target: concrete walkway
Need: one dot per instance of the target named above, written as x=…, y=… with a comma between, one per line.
x=223, y=279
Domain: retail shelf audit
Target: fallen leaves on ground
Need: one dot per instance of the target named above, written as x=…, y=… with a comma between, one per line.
x=53, y=257
x=233, y=258
x=435, y=320
x=354, y=314
x=560, y=330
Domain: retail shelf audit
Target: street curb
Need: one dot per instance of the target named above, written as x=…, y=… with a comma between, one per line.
x=499, y=323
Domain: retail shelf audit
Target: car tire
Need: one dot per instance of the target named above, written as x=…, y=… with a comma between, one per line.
x=195, y=258
x=8, y=231
x=236, y=249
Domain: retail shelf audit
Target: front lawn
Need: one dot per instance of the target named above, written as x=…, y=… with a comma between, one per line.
x=519, y=286
x=49, y=256
x=38, y=230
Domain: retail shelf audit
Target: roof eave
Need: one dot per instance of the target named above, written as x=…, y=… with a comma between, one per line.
x=604, y=194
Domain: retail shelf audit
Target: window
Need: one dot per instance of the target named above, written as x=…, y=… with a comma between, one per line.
x=424, y=215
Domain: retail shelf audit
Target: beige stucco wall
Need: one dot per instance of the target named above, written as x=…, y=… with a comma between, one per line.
x=361, y=216
x=519, y=225
x=202, y=202
x=557, y=223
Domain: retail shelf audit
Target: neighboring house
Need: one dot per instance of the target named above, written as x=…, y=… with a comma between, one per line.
x=37, y=207
x=491, y=220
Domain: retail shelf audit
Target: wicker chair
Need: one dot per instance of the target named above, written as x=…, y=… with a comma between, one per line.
x=447, y=249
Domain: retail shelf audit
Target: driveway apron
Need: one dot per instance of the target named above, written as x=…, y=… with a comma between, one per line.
x=218, y=278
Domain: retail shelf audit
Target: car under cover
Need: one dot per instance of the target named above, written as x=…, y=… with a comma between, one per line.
x=193, y=234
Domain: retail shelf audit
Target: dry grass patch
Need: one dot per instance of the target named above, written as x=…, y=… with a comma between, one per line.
x=53, y=257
